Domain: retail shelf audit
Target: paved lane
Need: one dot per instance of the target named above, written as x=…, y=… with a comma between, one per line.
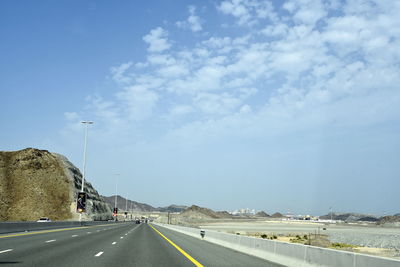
x=123, y=244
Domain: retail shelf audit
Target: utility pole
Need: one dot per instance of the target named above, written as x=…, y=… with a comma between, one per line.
x=86, y=123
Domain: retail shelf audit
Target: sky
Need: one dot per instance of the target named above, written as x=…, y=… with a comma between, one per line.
x=289, y=106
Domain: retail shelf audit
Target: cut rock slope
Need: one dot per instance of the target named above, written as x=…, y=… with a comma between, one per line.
x=36, y=183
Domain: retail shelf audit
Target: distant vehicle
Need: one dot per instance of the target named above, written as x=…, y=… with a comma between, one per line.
x=44, y=219
x=137, y=221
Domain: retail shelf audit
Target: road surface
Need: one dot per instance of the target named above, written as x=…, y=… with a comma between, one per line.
x=122, y=244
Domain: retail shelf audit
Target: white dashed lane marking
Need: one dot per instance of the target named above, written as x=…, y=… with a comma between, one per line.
x=113, y=243
x=4, y=251
x=99, y=254
x=122, y=237
x=74, y=235
x=49, y=241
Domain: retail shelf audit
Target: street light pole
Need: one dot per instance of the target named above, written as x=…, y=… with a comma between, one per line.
x=84, y=159
x=115, y=201
x=126, y=208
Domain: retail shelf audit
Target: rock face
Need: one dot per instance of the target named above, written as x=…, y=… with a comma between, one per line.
x=36, y=183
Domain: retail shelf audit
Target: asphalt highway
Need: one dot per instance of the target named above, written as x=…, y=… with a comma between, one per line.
x=122, y=244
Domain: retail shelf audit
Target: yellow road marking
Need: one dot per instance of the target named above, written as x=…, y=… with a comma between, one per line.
x=55, y=230
x=198, y=264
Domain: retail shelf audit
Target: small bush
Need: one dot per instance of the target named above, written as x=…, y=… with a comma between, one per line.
x=264, y=236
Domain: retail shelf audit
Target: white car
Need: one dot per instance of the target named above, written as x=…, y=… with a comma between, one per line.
x=44, y=219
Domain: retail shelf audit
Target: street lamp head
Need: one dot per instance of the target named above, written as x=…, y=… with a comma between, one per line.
x=87, y=122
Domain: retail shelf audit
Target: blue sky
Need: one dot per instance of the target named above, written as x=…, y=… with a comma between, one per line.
x=272, y=105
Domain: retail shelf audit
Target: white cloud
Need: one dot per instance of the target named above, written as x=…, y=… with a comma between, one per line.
x=157, y=40
x=248, y=12
x=193, y=22
x=284, y=68
x=71, y=116
x=306, y=11
x=180, y=110
x=139, y=101
x=118, y=73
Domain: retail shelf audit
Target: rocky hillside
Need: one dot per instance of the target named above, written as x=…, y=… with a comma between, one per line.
x=36, y=183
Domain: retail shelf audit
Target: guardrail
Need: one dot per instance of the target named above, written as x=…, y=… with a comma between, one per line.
x=284, y=253
x=15, y=227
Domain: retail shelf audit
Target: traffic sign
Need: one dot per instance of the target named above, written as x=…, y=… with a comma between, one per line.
x=81, y=202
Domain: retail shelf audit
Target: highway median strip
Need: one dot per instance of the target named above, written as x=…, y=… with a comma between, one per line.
x=195, y=262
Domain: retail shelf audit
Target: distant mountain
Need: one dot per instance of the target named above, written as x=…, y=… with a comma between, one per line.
x=121, y=204
x=350, y=217
x=262, y=214
x=137, y=206
x=277, y=215
x=389, y=219
x=172, y=208
x=203, y=213
x=368, y=219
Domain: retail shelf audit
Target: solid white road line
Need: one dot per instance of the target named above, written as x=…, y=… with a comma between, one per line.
x=7, y=250
x=113, y=243
x=74, y=235
x=99, y=254
x=48, y=241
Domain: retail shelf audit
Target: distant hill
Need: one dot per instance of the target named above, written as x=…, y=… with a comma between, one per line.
x=172, y=208
x=137, y=206
x=350, y=217
x=199, y=213
x=277, y=215
x=121, y=204
x=389, y=219
x=262, y=214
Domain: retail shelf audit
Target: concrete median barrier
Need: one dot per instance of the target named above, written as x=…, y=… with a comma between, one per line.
x=287, y=254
